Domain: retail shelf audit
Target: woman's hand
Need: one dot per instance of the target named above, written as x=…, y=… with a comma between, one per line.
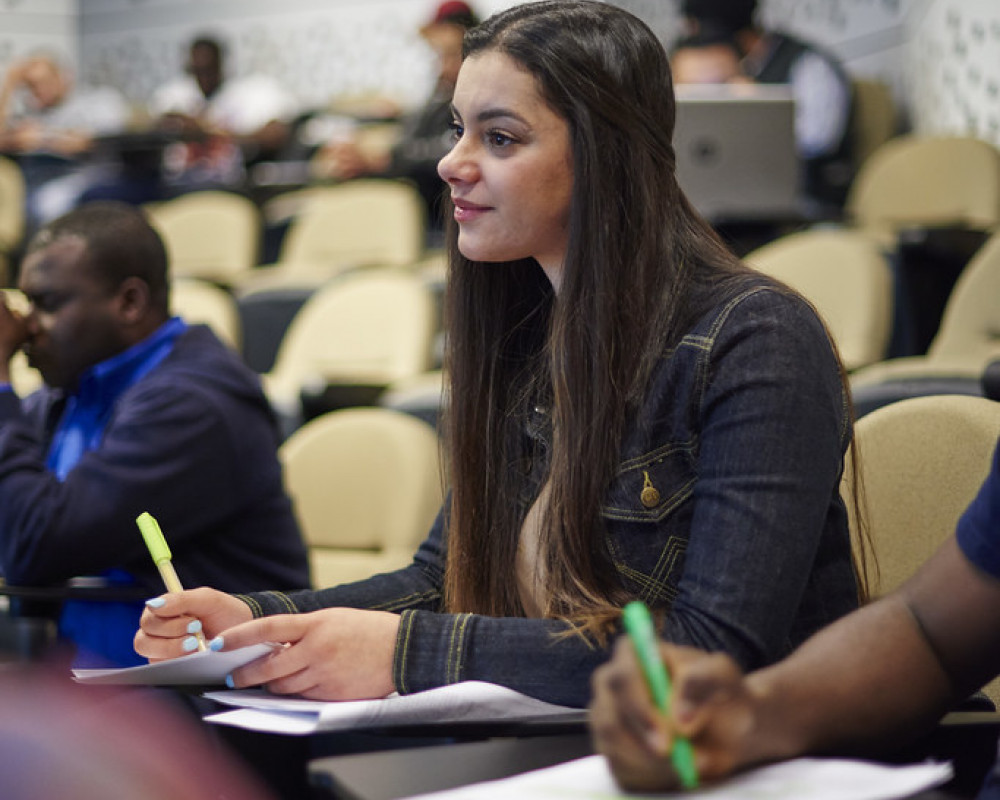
x=710, y=705
x=169, y=622
x=333, y=654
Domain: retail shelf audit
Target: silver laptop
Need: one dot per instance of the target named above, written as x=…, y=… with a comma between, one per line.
x=735, y=146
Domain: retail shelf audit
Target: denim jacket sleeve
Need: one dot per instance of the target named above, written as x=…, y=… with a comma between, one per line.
x=743, y=429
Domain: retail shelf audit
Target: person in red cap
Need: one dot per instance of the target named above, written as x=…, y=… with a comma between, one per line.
x=426, y=134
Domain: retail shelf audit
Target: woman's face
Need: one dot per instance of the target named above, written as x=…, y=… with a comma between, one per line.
x=510, y=171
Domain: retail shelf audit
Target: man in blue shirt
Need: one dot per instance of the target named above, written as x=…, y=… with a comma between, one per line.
x=870, y=679
x=139, y=412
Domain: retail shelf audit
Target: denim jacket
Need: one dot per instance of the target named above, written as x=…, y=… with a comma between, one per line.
x=725, y=514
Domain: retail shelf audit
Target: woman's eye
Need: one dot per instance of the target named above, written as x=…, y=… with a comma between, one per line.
x=499, y=139
x=456, y=130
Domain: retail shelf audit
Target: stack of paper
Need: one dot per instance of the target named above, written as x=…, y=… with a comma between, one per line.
x=469, y=701
x=802, y=779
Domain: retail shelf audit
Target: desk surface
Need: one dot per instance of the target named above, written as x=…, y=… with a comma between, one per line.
x=400, y=773
x=967, y=740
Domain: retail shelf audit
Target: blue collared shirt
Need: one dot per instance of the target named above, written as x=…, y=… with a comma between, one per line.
x=89, y=407
x=98, y=627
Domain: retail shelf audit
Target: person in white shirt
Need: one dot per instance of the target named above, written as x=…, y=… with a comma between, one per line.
x=226, y=122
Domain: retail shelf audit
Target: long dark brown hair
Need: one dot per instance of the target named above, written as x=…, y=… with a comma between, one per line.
x=641, y=267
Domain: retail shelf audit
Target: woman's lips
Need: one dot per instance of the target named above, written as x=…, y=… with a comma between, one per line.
x=466, y=211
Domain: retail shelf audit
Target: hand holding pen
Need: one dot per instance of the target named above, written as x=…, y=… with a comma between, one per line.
x=713, y=709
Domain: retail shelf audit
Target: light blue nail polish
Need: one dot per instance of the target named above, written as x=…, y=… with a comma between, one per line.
x=190, y=644
x=216, y=643
x=230, y=682
x=194, y=626
x=156, y=602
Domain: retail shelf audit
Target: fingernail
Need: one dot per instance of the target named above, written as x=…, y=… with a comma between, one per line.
x=194, y=626
x=683, y=710
x=190, y=644
x=216, y=643
x=156, y=602
x=230, y=682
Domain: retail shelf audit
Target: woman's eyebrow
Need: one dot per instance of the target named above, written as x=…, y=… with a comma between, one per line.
x=488, y=114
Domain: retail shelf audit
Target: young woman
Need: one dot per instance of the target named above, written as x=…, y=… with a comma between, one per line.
x=633, y=413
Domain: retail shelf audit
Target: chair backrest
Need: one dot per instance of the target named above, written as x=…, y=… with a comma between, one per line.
x=11, y=204
x=873, y=118
x=922, y=460
x=11, y=212
x=845, y=276
x=199, y=301
x=366, y=484
x=371, y=327
x=357, y=223
x=970, y=324
x=927, y=180
x=213, y=235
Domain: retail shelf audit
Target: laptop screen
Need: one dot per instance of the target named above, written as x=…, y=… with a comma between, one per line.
x=735, y=146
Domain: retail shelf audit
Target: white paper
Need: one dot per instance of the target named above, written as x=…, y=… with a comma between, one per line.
x=469, y=701
x=204, y=668
x=801, y=779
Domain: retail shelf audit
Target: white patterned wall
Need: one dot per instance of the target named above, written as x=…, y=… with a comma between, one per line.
x=29, y=25
x=954, y=68
x=941, y=57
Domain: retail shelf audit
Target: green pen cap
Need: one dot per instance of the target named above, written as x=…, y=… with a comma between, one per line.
x=153, y=537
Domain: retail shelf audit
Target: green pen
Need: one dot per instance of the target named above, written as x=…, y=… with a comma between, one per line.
x=639, y=626
x=158, y=549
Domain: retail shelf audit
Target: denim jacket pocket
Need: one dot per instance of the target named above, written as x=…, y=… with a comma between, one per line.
x=647, y=520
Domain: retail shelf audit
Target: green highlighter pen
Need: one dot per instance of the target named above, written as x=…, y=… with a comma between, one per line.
x=160, y=552
x=639, y=626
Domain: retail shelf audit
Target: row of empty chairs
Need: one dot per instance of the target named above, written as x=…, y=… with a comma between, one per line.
x=217, y=235
x=852, y=272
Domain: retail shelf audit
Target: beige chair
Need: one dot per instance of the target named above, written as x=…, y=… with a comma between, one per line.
x=199, y=301
x=915, y=181
x=846, y=277
x=369, y=327
x=332, y=229
x=366, y=484
x=11, y=214
x=212, y=235
x=922, y=462
x=969, y=334
x=873, y=118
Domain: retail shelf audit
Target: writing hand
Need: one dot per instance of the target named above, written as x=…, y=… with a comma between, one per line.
x=711, y=706
x=166, y=621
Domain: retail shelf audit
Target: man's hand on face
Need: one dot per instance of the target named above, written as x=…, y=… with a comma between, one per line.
x=13, y=334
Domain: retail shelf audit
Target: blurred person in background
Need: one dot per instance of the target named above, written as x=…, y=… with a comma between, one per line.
x=821, y=88
x=225, y=123
x=48, y=124
x=426, y=133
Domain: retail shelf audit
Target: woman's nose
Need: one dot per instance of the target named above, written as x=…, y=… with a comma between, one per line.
x=457, y=166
